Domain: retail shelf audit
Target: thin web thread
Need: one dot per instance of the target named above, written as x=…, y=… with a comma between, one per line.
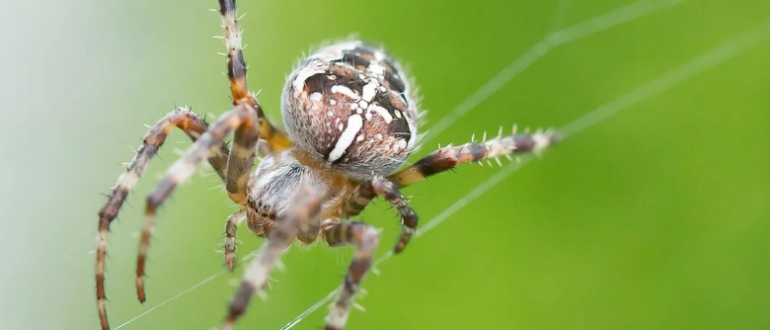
x=245, y=258
x=561, y=37
x=541, y=48
x=674, y=77
x=199, y=284
x=561, y=12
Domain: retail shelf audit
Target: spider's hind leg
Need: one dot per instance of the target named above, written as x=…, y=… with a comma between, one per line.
x=365, y=238
x=302, y=215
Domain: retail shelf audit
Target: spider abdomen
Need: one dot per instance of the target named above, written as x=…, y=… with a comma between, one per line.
x=351, y=107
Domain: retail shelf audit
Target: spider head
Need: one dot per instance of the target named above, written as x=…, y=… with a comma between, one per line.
x=349, y=106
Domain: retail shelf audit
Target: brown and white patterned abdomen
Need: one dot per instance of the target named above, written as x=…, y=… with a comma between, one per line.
x=350, y=106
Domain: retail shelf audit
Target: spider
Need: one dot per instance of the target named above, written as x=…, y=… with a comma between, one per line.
x=351, y=121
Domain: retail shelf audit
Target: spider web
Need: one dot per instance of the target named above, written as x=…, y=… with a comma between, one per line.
x=544, y=46
x=684, y=72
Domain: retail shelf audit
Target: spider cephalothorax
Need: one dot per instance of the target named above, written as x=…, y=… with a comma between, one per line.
x=351, y=118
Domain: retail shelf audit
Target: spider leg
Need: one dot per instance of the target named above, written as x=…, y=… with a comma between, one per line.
x=236, y=72
x=240, y=161
x=239, y=116
x=230, y=244
x=302, y=215
x=365, y=238
x=181, y=118
x=449, y=157
x=367, y=190
x=359, y=199
x=388, y=190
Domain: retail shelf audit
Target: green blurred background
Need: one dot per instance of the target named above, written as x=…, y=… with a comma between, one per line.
x=656, y=218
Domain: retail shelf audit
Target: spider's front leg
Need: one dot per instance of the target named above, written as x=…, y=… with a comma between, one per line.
x=449, y=157
x=236, y=72
x=302, y=215
x=194, y=127
x=365, y=238
x=230, y=244
x=241, y=117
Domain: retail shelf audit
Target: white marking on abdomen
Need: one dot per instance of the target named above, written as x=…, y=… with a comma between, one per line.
x=400, y=145
x=376, y=69
x=303, y=75
x=382, y=112
x=355, y=122
x=368, y=91
x=345, y=91
x=413, y=137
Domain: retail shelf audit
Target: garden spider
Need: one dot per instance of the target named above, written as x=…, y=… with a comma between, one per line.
x=351, y=121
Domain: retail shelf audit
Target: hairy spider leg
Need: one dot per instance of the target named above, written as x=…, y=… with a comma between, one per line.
x=241, y=116
x=367, y=190
x=194, y=127
x=390, y=192
x=304, y=214
x=230, y=245
x=365, y=238
x=236, y=72
x=240, y=162
x=359, y=199
x=449, y=157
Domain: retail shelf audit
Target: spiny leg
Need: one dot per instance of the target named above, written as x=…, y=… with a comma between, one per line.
x=240, y=161
x=236, y=72
x=359, y=199
x=449, y=157
x=240, y=116
x=365, y=238
x=230, y=241
x=388, y=190
x=367, y=190
x=181, y=118
x=301, y=216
